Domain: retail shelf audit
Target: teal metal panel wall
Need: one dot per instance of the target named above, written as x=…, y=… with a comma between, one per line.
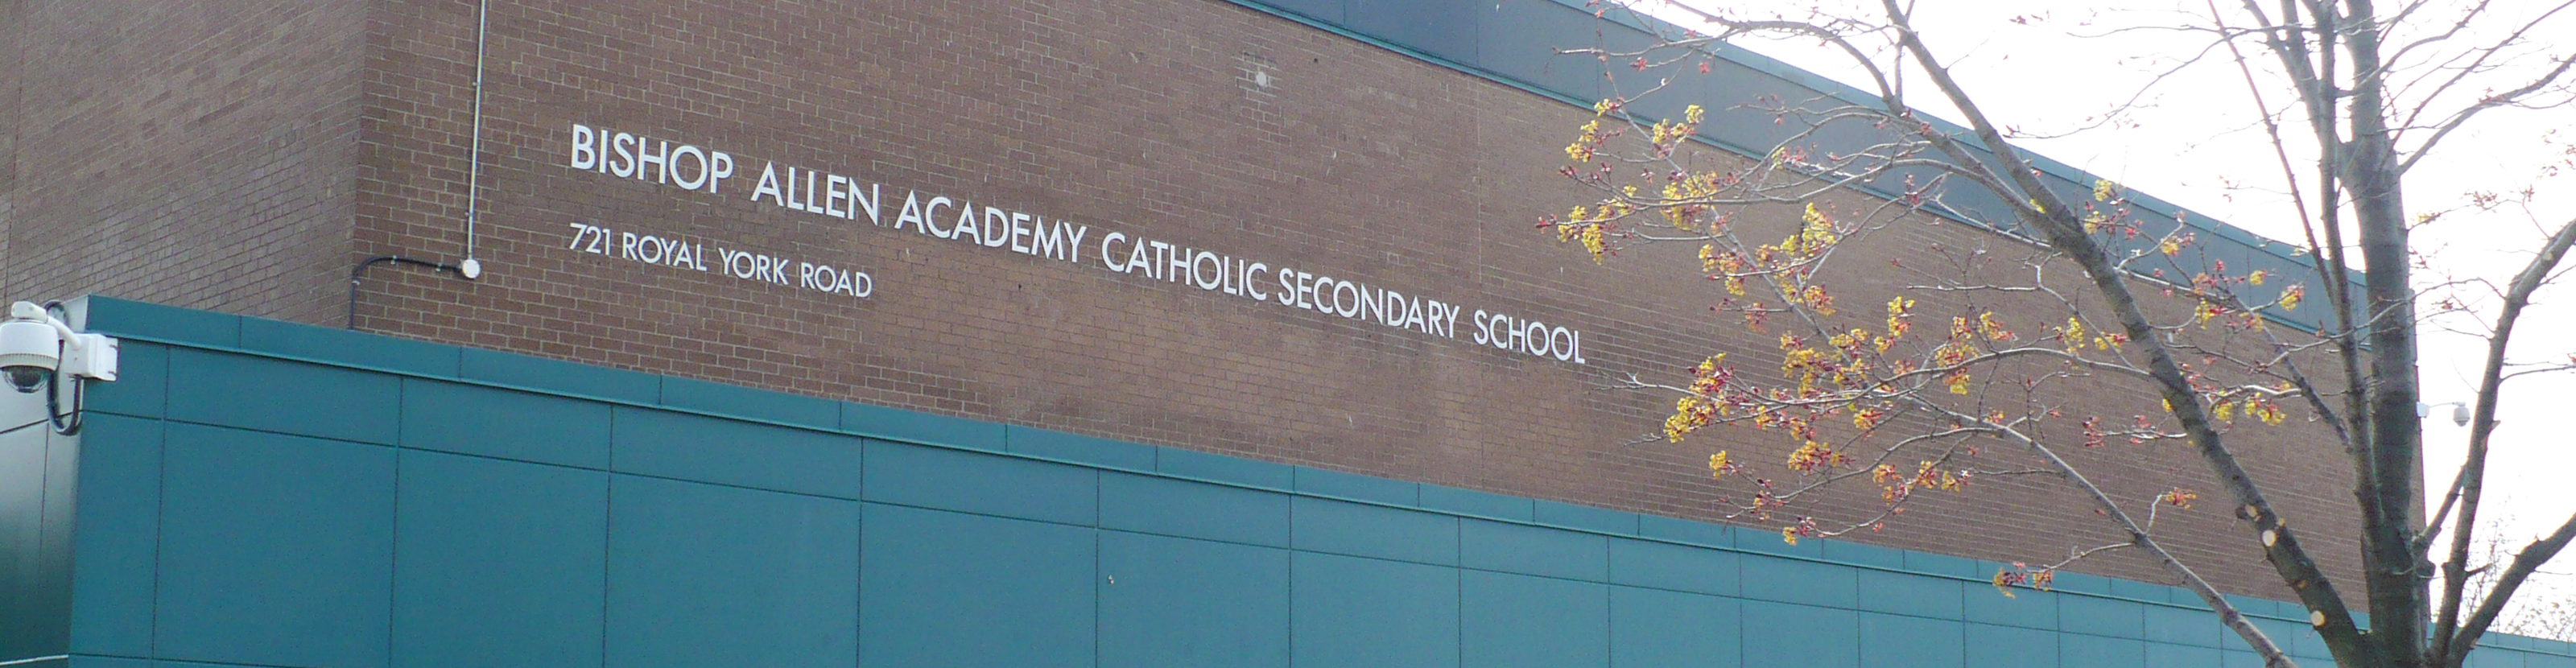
x=35, y=530
x=519, y=545
x=714, y=575
x=274, y=549
x=399, y=504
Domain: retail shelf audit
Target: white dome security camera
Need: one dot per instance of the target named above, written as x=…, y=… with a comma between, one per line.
x=2459, y=411
x=37, y=349
x=29, y=347
x=35, y=346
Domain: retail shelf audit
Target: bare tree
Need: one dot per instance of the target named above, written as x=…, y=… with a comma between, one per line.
x=2545, y=605
x=2138, y=302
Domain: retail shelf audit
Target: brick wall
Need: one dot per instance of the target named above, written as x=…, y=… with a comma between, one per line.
x=1200, y=123
x=12, y=13
x=199, y=154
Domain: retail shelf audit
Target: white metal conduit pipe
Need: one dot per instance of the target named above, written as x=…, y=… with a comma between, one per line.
x=469, y=267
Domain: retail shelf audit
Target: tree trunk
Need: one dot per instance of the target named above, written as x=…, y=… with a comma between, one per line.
x=2395, y=580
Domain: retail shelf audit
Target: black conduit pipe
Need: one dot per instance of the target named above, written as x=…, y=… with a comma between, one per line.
x=361, y=271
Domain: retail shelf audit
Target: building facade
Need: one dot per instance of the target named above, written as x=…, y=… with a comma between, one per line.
x=1027, y=333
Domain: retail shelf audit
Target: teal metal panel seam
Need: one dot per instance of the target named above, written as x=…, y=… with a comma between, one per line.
x=608, y=553
x=160, y=514
x=393, y=531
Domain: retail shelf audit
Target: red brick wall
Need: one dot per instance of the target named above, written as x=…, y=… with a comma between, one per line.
x=200, y=154
x=1142, y=118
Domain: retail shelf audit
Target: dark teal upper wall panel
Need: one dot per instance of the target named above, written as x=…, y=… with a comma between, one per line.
x=1515, y=43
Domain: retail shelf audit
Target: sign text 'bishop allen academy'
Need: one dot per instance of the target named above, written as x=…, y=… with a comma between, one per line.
x=932, y=215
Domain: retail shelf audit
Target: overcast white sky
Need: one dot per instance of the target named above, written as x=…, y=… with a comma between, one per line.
x=2196, y=142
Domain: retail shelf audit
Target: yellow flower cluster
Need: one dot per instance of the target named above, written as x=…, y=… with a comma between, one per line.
x=1992, y=327
x=1668, y=131
x=2265, y=411
x=1847, y=341
x=1898, y=320
x=1799, y=361
x=2094, y=221
x=1685, y=418
x=1816, y=298
x=1818, y=233
x=1582, y=148
x=1733, y=266
x=1867, y=419
x=1896, y=487
x=1695, y=186
x=1585, y=225
x=1816, y=456
x=2254, y=407
x=1679, y=216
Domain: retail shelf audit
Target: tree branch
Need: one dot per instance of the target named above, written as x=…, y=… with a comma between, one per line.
x=2058, y=223
x=2472, y=475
